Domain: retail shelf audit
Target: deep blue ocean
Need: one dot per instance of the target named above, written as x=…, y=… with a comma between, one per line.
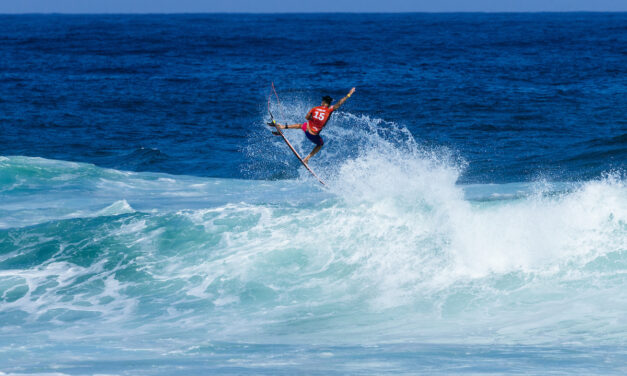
x=474, y=219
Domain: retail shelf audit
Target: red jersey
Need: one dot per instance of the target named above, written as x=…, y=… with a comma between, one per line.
x=319, y=117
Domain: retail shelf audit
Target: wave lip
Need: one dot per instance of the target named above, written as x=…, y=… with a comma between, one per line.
x=36, y=190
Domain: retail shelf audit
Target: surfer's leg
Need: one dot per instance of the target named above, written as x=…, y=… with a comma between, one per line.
x=316, y=139
x=313, y=152
x=286, y=126
x=281, y=126
x=292, y=126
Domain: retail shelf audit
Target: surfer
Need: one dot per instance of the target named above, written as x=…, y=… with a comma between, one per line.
x=317, y=118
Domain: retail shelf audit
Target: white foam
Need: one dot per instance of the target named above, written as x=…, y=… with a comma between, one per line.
x=117, y=208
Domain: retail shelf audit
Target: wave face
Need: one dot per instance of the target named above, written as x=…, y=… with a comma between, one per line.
x=392, y=251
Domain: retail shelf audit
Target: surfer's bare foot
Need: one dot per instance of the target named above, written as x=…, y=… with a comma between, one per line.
x=306, y=160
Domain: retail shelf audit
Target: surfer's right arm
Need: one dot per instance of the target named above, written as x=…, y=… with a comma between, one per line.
x=341, y=101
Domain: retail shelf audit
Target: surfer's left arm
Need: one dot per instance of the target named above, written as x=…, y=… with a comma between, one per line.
x=341, y=101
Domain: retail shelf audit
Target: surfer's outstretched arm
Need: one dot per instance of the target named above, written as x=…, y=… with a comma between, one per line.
x=341, y=101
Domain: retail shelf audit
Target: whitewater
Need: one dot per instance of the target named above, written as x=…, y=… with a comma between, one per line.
x=393, y=258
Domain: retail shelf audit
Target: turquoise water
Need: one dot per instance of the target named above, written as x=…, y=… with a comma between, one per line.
x=107, y=271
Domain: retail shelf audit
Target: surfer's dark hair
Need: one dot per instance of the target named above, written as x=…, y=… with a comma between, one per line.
x=327, y=99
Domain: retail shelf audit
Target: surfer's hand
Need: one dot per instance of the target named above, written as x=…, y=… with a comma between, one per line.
x=351, y=92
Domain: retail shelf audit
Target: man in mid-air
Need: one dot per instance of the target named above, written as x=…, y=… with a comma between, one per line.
x=317, y=118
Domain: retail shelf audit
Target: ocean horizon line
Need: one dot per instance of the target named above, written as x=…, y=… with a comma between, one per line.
x=297, y=13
